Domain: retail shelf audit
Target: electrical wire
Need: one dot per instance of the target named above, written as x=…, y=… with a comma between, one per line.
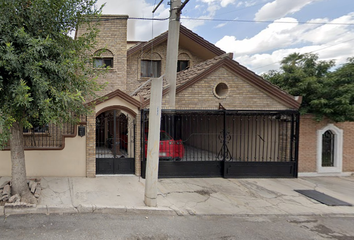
x=234, y=20
x=317, y=50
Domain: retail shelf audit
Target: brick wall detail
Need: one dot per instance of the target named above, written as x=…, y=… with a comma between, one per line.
x=308, y=143
x=241, y=95
x=112, y=37
x=156, y=53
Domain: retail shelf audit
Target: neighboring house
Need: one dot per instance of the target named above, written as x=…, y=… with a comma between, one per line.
x=228, y=121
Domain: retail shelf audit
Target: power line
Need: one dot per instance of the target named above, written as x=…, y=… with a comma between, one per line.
x=309, y=52
x=233, y=20
x=254, y=21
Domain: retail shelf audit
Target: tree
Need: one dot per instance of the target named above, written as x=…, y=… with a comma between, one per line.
x=325, y=93
x=45, y=74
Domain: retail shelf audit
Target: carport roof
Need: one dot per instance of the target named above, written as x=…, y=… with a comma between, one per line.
x=196, y=73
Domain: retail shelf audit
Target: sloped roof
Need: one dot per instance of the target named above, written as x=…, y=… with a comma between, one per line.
x=185, y=33
x=190, y=76
x=116, y=93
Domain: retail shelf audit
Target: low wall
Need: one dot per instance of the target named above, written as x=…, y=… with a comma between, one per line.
x=308, y=143
x=69, y=162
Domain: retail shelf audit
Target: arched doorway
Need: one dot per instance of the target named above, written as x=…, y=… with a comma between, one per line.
x=115, y=142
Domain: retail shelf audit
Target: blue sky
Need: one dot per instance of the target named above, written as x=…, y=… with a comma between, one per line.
x=273, y=28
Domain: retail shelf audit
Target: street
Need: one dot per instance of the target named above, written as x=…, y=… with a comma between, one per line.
x=143, y=227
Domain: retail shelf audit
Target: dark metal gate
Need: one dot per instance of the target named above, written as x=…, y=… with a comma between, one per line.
x=226, y=143
x=115, y=143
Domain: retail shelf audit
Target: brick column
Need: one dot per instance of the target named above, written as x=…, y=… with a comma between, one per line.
x=138, y=145
x=91, y=146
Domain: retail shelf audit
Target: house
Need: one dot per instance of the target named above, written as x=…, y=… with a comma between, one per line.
x=227, y=122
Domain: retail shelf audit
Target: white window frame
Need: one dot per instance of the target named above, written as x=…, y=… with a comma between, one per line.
x=338, y=150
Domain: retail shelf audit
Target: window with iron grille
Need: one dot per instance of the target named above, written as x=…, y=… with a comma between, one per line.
x=48, y=136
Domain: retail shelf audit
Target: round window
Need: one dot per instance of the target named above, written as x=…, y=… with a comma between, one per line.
x=221, y=90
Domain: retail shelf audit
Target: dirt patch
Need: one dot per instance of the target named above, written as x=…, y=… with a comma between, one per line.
x=204, y=192
x=6, y=196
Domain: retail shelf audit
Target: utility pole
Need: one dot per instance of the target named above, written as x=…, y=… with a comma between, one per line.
x=152, y=165
x=172, y=50
x=153, y=148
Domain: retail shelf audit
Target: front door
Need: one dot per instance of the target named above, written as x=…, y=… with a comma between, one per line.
x=115, y=143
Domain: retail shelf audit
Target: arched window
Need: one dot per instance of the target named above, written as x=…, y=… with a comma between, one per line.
x=183, y=62
x=150, y=66
x=103, y=59
x=329, y=149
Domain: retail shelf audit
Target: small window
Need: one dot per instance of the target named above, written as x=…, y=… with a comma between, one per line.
x=182, y=65
x=150, y=68
x=221, y=90
x=103, y=62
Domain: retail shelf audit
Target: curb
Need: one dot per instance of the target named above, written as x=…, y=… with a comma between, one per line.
x=10, y=210
x=152, y=210
x=61, y=210
x=43, y=209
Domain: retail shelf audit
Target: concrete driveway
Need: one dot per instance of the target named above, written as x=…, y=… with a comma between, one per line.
x=190, y=196
x=254, y=196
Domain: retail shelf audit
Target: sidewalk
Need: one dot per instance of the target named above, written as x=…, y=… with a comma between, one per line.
x=189, y=196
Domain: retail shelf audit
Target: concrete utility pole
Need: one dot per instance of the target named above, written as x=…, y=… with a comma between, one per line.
x=152, y=162
x=152, y=165
x=172, y=50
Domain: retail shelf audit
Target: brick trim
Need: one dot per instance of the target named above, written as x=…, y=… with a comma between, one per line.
x=116, y=93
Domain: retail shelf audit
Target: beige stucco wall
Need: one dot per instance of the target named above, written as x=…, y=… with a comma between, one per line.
x=71, y=161
x=116, y=101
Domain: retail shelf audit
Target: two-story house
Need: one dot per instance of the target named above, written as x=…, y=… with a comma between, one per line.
x=228, y=121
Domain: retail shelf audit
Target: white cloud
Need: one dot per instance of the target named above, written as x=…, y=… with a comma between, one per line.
x=280, y=8
x=224, y=3
x=274, y=36
x=263, y=51
x=221, y=25
x=138, y=29
x=214, y=5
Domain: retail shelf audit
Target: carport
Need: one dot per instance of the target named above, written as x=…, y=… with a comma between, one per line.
x=227, y=143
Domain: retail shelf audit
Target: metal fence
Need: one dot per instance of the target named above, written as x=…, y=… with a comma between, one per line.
x=236, y=136
x=49, y=136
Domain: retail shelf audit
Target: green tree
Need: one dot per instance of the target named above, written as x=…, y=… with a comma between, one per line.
x=45, y=74
x=325, y=93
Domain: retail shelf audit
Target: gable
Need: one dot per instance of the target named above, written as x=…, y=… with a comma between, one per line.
x=268, y=94
x=117, y=99
x=241, y=95
x=187, y=40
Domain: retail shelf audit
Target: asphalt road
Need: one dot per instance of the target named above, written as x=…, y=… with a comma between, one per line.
x=146, y=227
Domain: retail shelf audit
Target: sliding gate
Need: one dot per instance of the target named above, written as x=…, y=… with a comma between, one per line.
x=226, y=143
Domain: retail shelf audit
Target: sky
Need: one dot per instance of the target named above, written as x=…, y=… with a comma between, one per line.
x=260, y=33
